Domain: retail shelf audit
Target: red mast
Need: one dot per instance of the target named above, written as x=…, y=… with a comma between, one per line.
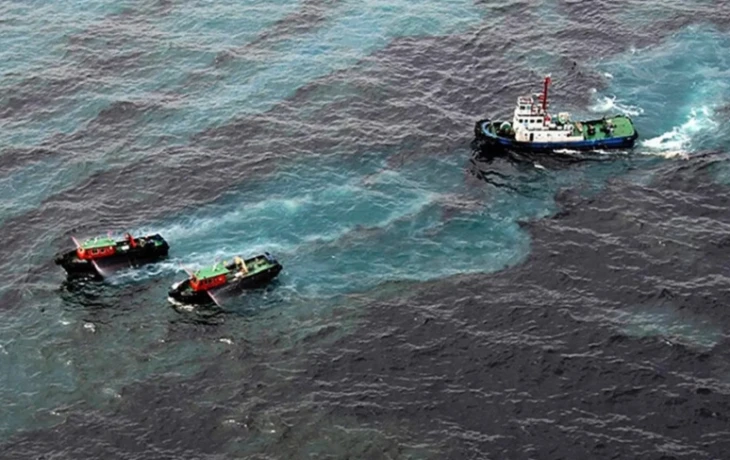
x=545, y=93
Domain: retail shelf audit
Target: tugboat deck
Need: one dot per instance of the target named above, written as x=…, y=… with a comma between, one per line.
x=258, y=264
x=211, y=272
x=622, y=127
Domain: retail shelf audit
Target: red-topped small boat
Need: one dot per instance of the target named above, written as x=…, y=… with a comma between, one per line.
x=239, y=274
x=131, y=251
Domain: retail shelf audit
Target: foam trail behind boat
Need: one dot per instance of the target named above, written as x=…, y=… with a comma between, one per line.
x=676, y=142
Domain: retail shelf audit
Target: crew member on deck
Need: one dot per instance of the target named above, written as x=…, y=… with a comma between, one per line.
x=241, y=265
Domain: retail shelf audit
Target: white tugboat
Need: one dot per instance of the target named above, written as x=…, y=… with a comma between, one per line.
x=532, y=128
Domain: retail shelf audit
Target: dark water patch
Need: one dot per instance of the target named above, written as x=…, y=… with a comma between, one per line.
x=608, y=25
x=35, y=94
x=233, y=391
x=101, y=301
x=122, y=438
x=536, y=361
x=512, y=367
x=119, y=113
x=110, y=129
x=310, y=15
x=13, y=157
x=380, y=111
x=608, y=342
x=112, y=47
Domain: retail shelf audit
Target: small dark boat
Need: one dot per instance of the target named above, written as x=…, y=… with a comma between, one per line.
x=130, y=251
x=533, y=129
x=239, y=274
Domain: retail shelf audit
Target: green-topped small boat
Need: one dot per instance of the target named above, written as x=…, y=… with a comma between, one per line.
x=239, y=274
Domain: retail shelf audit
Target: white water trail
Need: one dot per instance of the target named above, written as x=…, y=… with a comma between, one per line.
x=675, y=142
x=611, y=104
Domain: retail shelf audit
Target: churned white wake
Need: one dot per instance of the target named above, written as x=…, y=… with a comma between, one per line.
x=675, y=142
x=611, y=104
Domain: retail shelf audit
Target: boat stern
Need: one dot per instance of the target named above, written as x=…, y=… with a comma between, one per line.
x=483, y=129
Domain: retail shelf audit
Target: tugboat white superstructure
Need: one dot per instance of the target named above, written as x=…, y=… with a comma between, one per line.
x=532, y=128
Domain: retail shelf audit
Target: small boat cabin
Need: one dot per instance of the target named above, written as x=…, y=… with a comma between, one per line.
x=532, y=122
x=96, y=248
x=209, y=278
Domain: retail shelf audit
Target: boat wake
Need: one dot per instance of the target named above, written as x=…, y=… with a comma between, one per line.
x=610, y=104
x=676, y=142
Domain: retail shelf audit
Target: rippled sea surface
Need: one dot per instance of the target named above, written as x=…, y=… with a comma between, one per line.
x=434, y=304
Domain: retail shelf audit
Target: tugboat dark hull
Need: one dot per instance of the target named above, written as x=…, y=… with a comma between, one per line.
x=487, y=141
x=154, y=249
x=182, y=293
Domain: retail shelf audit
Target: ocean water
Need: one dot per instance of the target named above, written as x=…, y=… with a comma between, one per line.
x=434, y=303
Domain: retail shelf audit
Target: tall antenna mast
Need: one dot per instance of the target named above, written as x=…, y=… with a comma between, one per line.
x=545, y=93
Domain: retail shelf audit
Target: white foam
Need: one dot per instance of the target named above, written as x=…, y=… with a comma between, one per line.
x=568, y=151
x=609, y=104
x=111, y=392
x=208, y=225
x=674, y=143
x=609, y=152
x=180, y=305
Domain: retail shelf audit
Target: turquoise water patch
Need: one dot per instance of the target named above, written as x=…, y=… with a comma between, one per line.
x=23, y=190
x=60, y=360
x=644, y=15
x=34, y=32
x=219, y=26
x=339, y=230
x=673, y=326
x=348, y=225
x=261, y=77
x=178, y=74
x=673, y=91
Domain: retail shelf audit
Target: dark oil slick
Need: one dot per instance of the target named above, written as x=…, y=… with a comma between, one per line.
x=435, y=303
